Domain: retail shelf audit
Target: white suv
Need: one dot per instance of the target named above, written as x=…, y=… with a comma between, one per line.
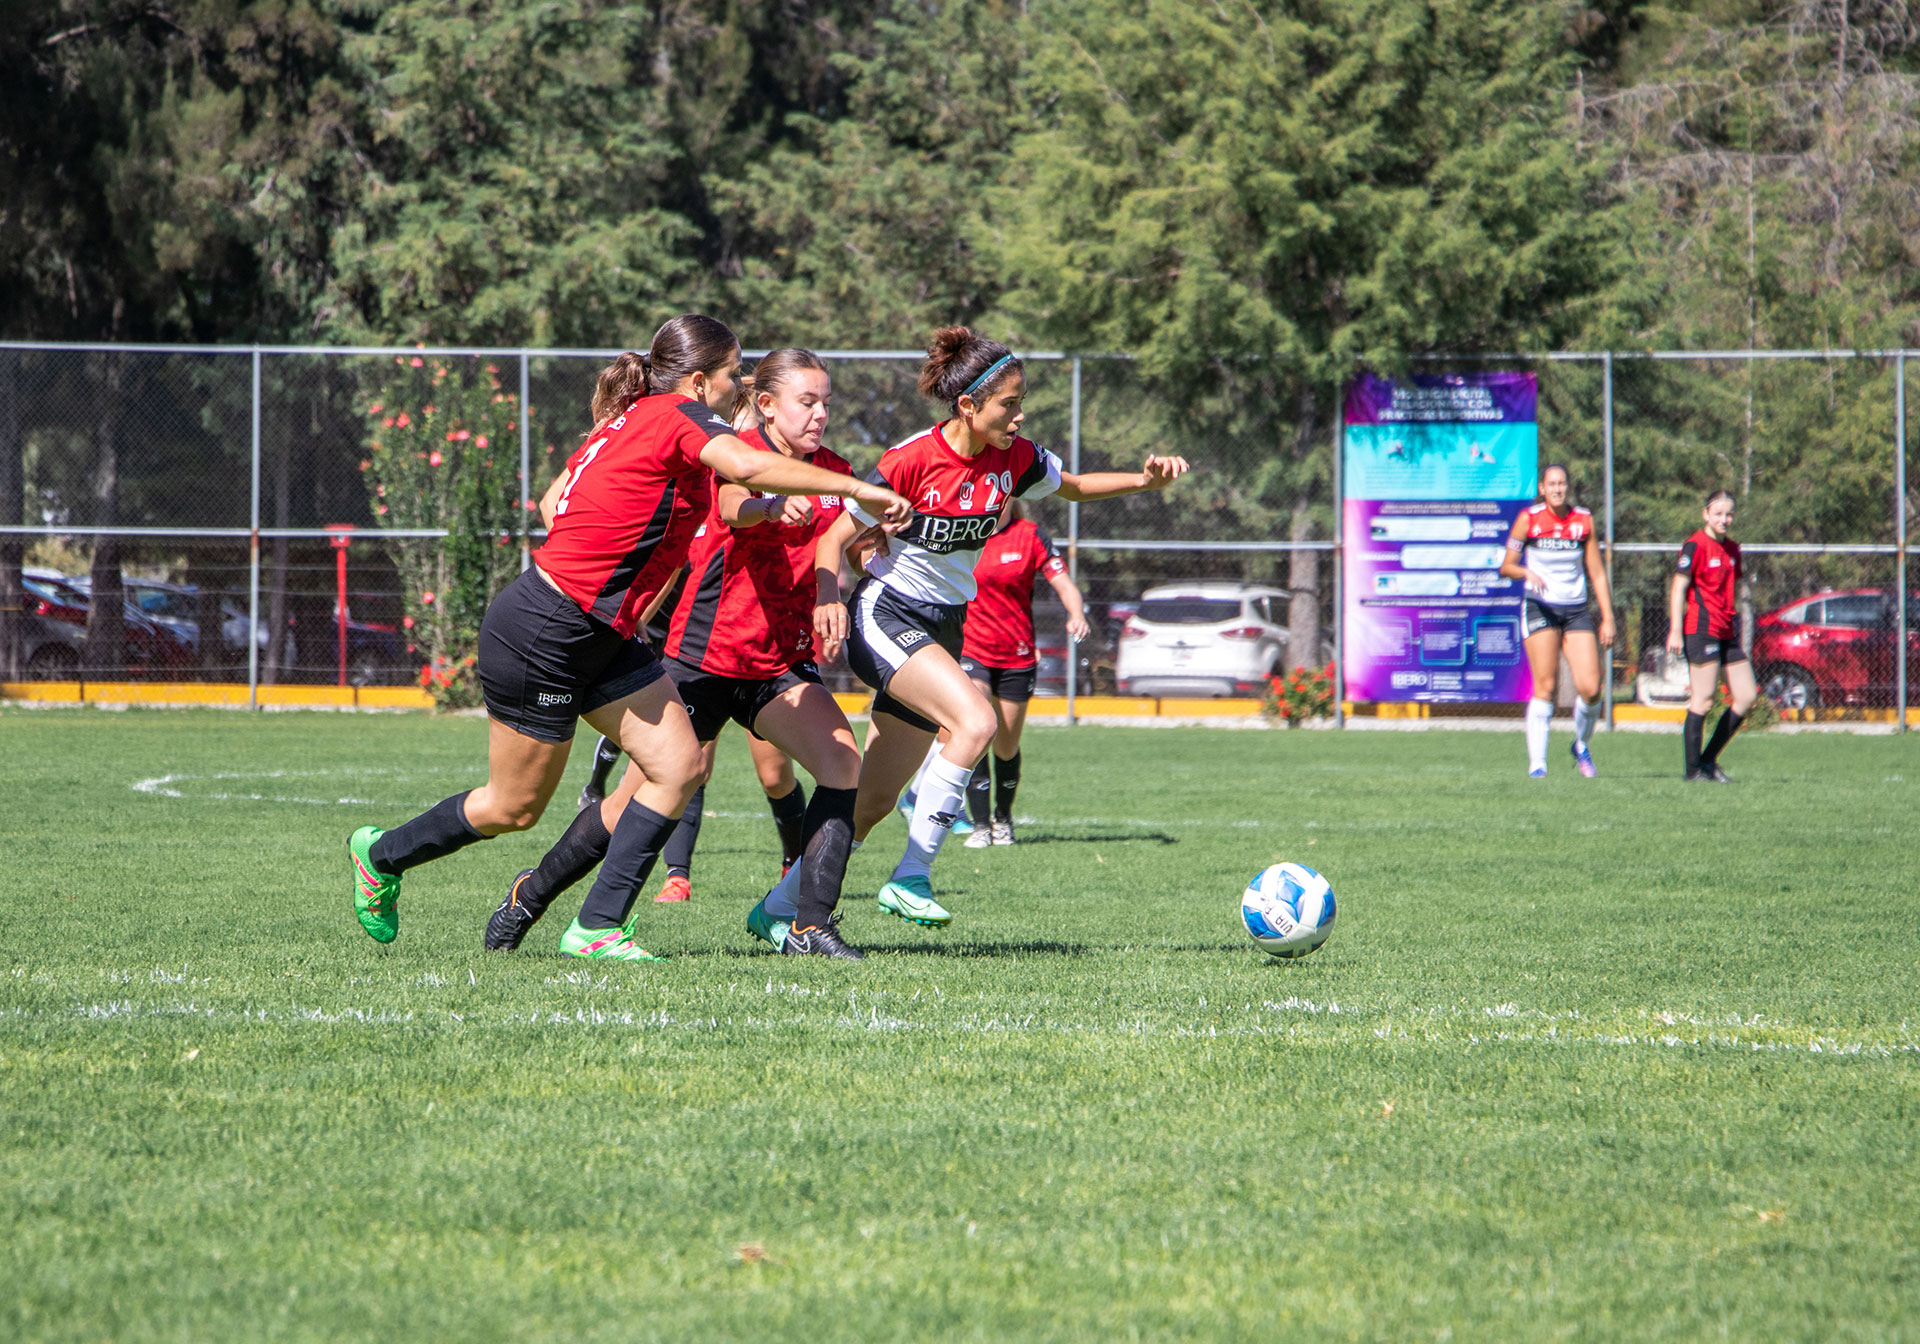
x=1202, y=639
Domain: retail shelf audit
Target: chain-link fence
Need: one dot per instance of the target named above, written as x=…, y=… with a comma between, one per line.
x=286, y=515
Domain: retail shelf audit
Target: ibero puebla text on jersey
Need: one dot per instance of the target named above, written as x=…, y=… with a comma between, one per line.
x=943, y=536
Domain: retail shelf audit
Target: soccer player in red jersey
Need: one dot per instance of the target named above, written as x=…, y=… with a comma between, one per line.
x=903, y=622
x=1551, y=548
x=557, y=644
x=997, y=652
x=1703, y=622
x=740, y=645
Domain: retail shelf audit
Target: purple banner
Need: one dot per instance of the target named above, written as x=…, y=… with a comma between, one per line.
x=1444, y=398
x=1434, y=471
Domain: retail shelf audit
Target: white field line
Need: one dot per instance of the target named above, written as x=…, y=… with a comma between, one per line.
x=1291, y=1018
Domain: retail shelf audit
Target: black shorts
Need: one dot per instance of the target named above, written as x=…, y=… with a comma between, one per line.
x=884, y=629
x=1720, y=649
x=712, y=699
x=544, y=662
x=1002, y=683
x=1540, y=616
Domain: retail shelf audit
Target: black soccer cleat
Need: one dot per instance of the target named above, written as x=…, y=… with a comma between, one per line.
x=1715, y=773
x=511, y=923
x=820, y=941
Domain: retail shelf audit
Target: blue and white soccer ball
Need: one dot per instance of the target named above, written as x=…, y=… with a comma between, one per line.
x=1288, y=910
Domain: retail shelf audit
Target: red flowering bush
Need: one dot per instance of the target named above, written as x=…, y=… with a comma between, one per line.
x=443, y=452
x=1300, y=694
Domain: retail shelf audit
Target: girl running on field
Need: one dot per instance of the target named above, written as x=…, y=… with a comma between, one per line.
x=740, y=646
x=1552, y=549
x=557, y=644
x=997, y=652
x=1703, y=622
x=906, y=615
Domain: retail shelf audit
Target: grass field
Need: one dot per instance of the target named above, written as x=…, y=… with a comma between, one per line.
x=1622, y=1058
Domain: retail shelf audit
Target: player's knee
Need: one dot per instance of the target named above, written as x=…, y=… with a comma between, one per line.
x=974, y=733
x=838, y=769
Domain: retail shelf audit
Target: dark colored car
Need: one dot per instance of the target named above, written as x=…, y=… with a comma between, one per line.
x=152, y=650
x=1835, y=648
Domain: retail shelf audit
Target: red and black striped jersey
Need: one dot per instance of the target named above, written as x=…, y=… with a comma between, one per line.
x=636, y=492
x=956, y=506
x=1712, y=596
x=999, y=629
x=747, y=610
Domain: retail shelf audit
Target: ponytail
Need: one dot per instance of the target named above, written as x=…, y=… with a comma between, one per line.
x=621, y=383
x=684, y=346
x=961, y=363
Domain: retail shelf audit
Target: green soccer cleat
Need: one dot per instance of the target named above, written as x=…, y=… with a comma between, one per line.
x=765, y=927
x=911, y=898
x=603, y=945
x=376, y=895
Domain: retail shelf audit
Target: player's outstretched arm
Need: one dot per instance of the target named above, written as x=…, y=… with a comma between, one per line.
x=771, y=473
x=741, y=508
x=1157, y=474
x=1069, y=594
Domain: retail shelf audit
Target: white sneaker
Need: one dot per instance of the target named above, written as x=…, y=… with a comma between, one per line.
x=981, y=838
x=1002, y=832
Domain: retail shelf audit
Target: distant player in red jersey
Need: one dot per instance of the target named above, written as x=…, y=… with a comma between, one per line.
x=1552, y=549
x=1703, y=622
x=904, y=619
x=998, y=653
x=557, y=644
x=740, y=646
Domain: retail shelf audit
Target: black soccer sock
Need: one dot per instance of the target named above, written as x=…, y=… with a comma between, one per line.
x=1690, y=734
x=1006, y=783
x=572, y=857
x=630, y=858
x=1729, y=725
x=979, y=787
x=605, y=757
x=679, y=850
x=790, y=819
x=829, y=832
x=433, y=834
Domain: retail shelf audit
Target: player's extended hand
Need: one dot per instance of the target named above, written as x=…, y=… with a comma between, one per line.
x=1161, y=472
x=1606, y=632
x=794, y=510
x=1078, y=628
x=1676, y=644
x=829, y=629
x=888, y=507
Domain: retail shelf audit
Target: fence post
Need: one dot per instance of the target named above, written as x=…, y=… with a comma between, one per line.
x=1073, y=544
x=253, y=560
x=1901, y=633
x=526, y=462
x=1606, y=436
x=1339, y=562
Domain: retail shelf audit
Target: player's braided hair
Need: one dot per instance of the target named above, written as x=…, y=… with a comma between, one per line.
x=960, y=362
x=770, y=375
x=685, y=345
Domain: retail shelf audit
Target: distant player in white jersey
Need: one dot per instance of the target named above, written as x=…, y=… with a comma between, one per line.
x=1552, y=550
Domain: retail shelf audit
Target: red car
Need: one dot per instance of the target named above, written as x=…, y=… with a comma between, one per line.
x=1835, y=648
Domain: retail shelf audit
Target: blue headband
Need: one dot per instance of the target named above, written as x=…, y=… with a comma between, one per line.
x=986, y=377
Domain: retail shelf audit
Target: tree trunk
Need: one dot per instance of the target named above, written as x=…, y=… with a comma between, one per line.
x=1303, y=567
x=106, y=615
x=12, y=513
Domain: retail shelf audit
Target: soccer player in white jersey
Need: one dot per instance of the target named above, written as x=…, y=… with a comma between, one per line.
x=904, y=619
x=1552, y=550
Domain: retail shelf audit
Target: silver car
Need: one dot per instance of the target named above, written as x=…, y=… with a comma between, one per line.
x=1202, y=639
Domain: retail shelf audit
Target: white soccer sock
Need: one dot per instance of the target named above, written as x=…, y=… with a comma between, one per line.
x=943, y=791
x=1539, y=716
x=782, y=901
x=1585, y=714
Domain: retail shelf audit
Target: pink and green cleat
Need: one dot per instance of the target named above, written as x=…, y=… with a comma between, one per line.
x=376, y=895
x=614, y=944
